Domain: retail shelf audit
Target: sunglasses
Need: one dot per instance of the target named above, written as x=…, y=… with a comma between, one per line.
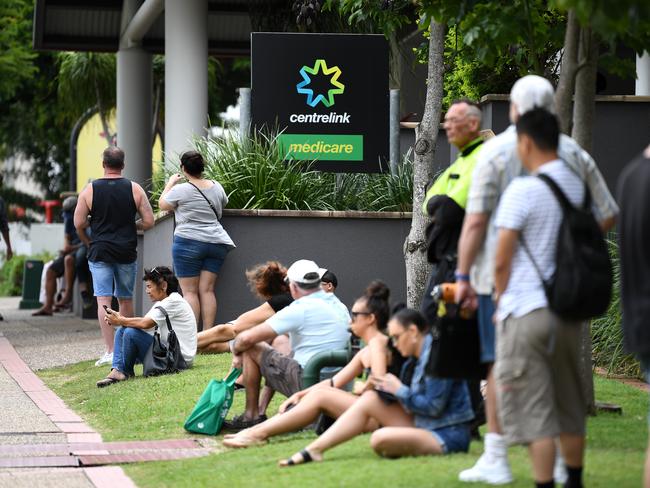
x=356, y=314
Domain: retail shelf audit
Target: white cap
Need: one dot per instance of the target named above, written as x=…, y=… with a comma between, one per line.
x=531, y=92
x=304, y=272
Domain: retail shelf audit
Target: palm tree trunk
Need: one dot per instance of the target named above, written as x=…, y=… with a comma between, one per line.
x=585, y=97
x=417, y=267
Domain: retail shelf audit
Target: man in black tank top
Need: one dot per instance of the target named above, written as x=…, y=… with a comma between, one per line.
x=112, y=203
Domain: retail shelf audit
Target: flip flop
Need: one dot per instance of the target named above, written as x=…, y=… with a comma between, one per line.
x=108, y=381
x=243, y=441
x=305, y=458
x=42, y=313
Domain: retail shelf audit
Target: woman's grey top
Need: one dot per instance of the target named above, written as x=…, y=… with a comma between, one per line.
x=194, y=217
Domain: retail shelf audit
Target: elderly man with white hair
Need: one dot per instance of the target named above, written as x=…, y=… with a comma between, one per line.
x=497, y=166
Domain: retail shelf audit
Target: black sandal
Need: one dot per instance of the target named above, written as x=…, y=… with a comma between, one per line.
x=306, y=458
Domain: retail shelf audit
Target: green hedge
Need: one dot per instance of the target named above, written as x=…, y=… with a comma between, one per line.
x=607, y=332
x=255, y=176
x=11, y=274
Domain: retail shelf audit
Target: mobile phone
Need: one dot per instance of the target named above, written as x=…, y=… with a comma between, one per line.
x=107, y=310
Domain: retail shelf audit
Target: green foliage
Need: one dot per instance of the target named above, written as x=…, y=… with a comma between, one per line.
x=624, y=22
x=16, y=55
x=31, y=120
x=255, y=176
x=87, y=79
x=607, y=331
x=11, y=276
x=11, y=273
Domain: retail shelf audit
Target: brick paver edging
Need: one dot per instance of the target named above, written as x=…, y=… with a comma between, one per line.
x=76, y=430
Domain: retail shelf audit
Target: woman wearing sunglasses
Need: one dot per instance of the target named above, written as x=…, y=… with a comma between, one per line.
x=369, y=317
x=134, y=335
x=430, y=417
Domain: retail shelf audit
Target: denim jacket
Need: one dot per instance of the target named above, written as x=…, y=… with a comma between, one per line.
x=434, y=402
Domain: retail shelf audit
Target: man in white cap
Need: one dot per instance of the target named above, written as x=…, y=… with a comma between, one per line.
x=316, y=321
x=497, y=166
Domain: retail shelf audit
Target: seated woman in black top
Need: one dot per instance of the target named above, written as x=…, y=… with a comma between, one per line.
x=267, y=282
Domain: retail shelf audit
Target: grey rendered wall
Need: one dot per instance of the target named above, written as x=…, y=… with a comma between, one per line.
x=355, y=246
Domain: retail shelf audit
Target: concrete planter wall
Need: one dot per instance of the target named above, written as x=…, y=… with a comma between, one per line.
x=357, y=246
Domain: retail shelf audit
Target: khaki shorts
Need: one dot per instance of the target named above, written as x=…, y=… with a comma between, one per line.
x=282, y=373
x=537, y=371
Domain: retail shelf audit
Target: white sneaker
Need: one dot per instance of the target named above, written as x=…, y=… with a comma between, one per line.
x=107, y=358
x=560, y=474
x=488, y=469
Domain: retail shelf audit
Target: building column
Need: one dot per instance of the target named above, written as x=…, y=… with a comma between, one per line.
x=186, y=75
x=643, y=74
x=134, y=117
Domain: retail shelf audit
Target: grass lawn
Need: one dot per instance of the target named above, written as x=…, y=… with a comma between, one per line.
x=156, y=408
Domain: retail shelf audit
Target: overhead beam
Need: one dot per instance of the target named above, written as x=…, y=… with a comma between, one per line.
x=141, y=22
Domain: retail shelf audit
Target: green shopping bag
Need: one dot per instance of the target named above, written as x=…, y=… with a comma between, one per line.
x=211, y=409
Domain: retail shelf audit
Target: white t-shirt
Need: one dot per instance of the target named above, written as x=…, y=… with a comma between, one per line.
x=498, y=164
x=315, y=323
x=183, y=322
x=529, y=206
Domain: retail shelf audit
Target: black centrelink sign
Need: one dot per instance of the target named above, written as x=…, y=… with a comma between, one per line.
x=327, y=93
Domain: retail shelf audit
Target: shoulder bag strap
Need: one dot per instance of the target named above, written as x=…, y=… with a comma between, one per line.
x=206, y=199
x=169, y=324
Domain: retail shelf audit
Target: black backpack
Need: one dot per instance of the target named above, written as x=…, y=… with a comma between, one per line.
x=581, y=286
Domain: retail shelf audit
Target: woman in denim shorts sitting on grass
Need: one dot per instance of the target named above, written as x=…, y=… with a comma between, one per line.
x=200, y=242
x=431, y=415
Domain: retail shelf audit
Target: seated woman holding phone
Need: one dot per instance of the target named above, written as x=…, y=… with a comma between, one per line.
x=134, y=335
x=431, y=415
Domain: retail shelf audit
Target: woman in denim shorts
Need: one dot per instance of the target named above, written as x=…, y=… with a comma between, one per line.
x=200, y=242
x=431, y=415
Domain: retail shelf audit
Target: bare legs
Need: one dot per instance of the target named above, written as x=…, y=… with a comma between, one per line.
x=107, y=330
x=394, y=442
x=208, y=299
x=69, y=274
x=364, y=415
x=199, y=293
x=330, y=401
x=491, y=403
x=50, y=290
x=190, y=287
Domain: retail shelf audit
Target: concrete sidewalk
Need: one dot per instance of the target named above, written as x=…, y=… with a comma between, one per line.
x=33, y=417
x=46, y=342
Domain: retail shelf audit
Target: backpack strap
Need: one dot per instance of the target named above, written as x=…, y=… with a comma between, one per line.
x=561, y=197
x=206, y=199
x=169, y=323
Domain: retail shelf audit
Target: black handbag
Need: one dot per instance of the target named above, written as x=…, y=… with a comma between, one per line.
x=164, y=358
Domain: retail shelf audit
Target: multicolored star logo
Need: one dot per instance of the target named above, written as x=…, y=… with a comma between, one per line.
x=321, y=66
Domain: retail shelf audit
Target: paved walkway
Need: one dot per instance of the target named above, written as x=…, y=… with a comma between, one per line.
x=42, y=442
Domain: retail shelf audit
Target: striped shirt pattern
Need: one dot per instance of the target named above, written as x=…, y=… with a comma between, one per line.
x=497, y=166
x=530, y=207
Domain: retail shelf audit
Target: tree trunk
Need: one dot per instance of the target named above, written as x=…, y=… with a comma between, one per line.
x=583, y=122
x=103, y=117
x=417, y=267
x=566, y=84
x=585, y=91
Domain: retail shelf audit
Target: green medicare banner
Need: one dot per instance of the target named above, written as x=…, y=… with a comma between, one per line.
x=322, y=146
